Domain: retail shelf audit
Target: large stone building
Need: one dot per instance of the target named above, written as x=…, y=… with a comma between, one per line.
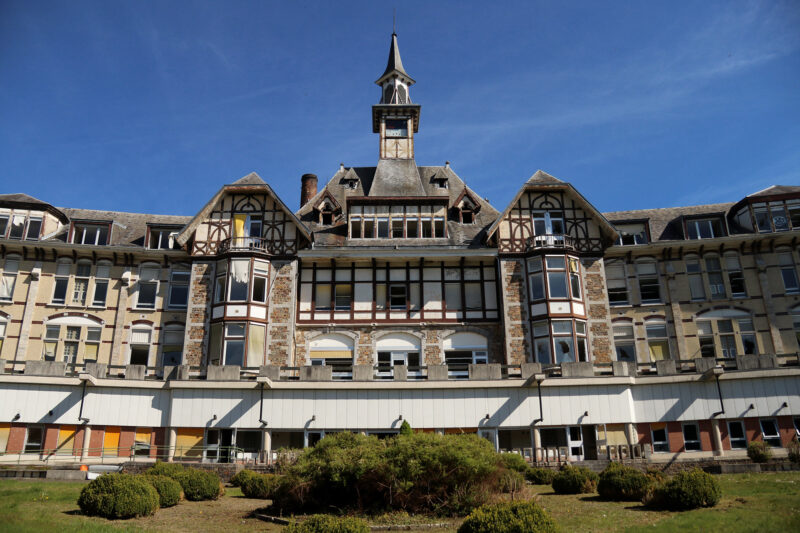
x=394, y=293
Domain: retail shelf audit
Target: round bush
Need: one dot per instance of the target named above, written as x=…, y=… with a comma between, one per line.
x=687, y=490
x=656, y=476
x=574, y=480
x=259, y=486
x=510, y=517
x=172, y=470
x=514, y=461
x=169, y=490
x=512, y=481
x=240, y=477
x=794, y=451
x=540, y=476
x=622, y=483
x=199, y=485
x=118, y=496
x=759, y=451
x=321, y=523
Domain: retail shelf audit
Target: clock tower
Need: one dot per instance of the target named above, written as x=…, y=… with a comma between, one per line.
x=395, y=118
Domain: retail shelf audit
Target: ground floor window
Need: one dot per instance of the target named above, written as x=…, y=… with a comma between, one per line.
x=770, y=433
x=660, y=438
x=34, y=439
x=736, y=435
x=458, y=361
x=691, y=437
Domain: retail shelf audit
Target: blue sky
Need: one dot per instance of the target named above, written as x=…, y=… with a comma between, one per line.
x=151, y=106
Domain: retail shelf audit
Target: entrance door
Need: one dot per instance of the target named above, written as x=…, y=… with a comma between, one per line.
x=313, y=437
x=575, y=443
x=219, y=445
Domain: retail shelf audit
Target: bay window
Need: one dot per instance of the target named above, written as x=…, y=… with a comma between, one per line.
x=536, y=278
x=233, y=351
x=239, y=283
x=556, y=277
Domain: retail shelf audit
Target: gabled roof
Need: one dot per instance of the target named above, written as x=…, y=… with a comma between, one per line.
x=251, y=182
x=541, y=179
x=326, y=194
x=395, y=63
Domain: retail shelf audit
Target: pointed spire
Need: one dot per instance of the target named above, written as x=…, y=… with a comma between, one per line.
x=395, y=63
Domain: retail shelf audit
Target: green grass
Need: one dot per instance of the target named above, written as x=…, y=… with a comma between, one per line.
x=751, y=502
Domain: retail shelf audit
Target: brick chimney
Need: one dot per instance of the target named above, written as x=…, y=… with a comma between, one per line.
x=308, y=189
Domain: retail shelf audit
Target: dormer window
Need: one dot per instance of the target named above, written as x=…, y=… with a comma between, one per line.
x=704, y=228
x=161, y=238
x=96, y=234
x=630, y=234
x=396, y=127
x=440, y=183
x=327, y=218
x=350, y=183
x=20, y=226
x=467, y=216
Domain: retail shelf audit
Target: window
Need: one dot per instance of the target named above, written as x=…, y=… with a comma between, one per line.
x=412, y=227
x=9, y=279
x=467, y=217
x=458, y=361
x=397, y=127
x=452, y=296
x=548, y=223
x=649, y=286
x=735, y=276
x=705, y=228
x=624, y=343
x=563, y=343
x=239, y=283
x=427, y=228
x=51, y=342
x=323, y=297
x=727, y=339
x=726, y=330
x=541, y=342
x=61, y=282
x=660, y=438
x=536, y=278
x=101, y=279
x=788, y=272
x=769, y=432
x=81, y=286
x=630, y=234
x=3, y=225
x=179, y=287
x=715, y=282
x=397, y=228
x=17, y=227
x=556, y=277
x=71, y=344
x=92, y=345
x=383, y=228
x=326, y=218
x=472, y=295
x=691, y=437
x=140, y=345
x=219, y=293
x=160, y=238
x=34, y=229
x=574, y=279
x=343, y=296
x=617, y=283
x=34, y=439
x=438, y=227
x=694, y=273
x=657, y=342
x=234, y=344
x=441, y=183
x=779, y=219
x=369, y=228
x=748, y=334
x=96, y=234
x=736, y=435
x=3, y=325
x=706, y=336
x=148, y=286
x=355, y=228
x=397, y=296
x=260, y=288
x=172, y=341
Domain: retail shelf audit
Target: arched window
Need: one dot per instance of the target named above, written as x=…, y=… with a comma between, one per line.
x=726, y=333
x=333, y=349
x=463, y=349
x=397, y=349
x=624, y=340
x=9, y=278
x=140, y=341
x=657, y=339
x=72, y=339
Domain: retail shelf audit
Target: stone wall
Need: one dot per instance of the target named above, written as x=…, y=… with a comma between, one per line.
x=197, y=313
x=515, y=311
x=597, y=310
x=282, y=313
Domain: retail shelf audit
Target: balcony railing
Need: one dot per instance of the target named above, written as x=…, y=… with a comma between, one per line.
x=362, y=373
x=551, y=240
x=242, y=244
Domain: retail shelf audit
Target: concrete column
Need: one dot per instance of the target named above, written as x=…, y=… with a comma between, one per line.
x=716, y=437
x=117, y=357
x=769, y=307
x=536, y=439
x=675, y=310
x=87, y=434
x=266, y=445
x=633, y=435
x=172, y=438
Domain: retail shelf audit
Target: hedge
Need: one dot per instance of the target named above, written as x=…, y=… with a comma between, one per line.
x=574, y=480
x=540, y=476
x=169, y=490
x=197, y=484
x=794, y=451
x=759, y=451
x=259, y=486
x=514, y=461
x=622, y=483
x=686, y=490
x=240, y=477
x=118, y=496
x=320, y=523
x=510, y=517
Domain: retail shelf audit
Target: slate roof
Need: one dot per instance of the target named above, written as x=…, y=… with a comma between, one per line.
x=400, y=178
x=775, y=190
x=129, y=229
x=395, y=63
x=665, y=223
x=21, y=198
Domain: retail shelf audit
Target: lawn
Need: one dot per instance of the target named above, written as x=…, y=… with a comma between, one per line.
x=751, y=502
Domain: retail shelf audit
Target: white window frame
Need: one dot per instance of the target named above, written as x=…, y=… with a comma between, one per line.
x=101, y=279
x=769, y=439
x=9, y=275
x=156, y=281
x=179, y=270
x=140, y=329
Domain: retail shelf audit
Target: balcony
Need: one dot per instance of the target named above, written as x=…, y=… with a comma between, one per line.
x=551, y=240
x=245, y=244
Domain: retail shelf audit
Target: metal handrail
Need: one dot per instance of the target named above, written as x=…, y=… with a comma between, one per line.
x=182, y=454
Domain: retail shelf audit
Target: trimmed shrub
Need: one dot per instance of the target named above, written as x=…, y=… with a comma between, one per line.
x=794, y=451
x=118, y=496
x=199, y=485
x=241, y=476
x=574, y=480
x=686, y=490
x=540, y=476
x=321, y=523
x=655, y=475
x=514, y=461
x=169, y=490
x=622, y=483
x=259, y=486
x=172, y=470
x=511, y=517
x=512, y=481
x=759, y=451
x=405, y=428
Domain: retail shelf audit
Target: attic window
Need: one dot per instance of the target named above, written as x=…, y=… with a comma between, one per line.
x=96, y=234
x=467, y=216
x=327, y=218
x=705, y=228
x=441, y=183
x=630, y=234
x=350, y=183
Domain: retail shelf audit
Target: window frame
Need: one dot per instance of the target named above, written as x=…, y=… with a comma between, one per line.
x=696, y=444
x=179, y=270
x=98, y=228
x=773, y=438
x=731, y=439
x=660, y=446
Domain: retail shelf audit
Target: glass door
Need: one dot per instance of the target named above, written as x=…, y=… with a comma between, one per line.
x=575, y=443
